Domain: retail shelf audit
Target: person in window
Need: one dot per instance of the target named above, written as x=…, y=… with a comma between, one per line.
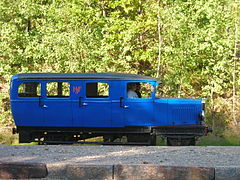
x=138, y=90
x=131, y=93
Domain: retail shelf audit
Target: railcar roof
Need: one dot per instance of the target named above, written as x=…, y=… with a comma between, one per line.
x=117, y=76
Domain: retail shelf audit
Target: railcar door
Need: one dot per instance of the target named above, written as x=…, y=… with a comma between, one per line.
x=138, y=104
x=57, y=104
x=25, y=105
x=95, y=104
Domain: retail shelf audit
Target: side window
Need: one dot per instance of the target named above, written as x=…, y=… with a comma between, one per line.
x=29, y=89
x=97, y=90
x=139, y=90
x=58, y=90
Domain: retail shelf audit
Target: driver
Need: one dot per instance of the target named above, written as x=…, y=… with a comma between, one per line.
x=131, y=93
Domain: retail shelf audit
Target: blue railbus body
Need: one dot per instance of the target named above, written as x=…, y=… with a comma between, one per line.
x=58, y=108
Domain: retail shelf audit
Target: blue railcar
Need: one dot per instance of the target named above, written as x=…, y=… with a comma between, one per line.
x=70, y=108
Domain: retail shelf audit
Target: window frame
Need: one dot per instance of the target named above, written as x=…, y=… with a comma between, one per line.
x=24, y=82
x=45, y=92
x=100, y=97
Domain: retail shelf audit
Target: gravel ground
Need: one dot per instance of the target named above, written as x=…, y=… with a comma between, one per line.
x=210, y=156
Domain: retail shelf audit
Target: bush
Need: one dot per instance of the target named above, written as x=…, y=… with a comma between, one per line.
x=6, y=137
x=230, y=137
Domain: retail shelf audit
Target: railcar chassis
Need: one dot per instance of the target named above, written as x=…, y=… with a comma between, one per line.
x=51, y=135
x=175, y=136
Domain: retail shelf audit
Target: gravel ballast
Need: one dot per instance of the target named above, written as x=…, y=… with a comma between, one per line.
x=210, y=156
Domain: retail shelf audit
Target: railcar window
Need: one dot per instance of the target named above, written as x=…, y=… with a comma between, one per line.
x=29, y=89
x=58, y=89
x=97, y=90
x=139, y=90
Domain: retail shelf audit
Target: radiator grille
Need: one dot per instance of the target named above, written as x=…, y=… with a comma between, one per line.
x=184, y=115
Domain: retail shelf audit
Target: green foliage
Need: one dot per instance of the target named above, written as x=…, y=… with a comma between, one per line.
x=5, y=115
x=6, y=137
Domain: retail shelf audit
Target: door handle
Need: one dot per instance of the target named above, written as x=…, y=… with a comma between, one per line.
x=44, y=106
x=40, y=101
x=84, y=104
x=80, y=101
x=121, y=102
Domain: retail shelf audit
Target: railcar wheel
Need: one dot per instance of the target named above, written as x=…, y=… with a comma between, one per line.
x=142, y=138
x=109, y=138
x=171, y=142
x=136, y=138
x=181, y=141
x=153, y=140
x=192, y=142
x=24, y=137
x=189, y=142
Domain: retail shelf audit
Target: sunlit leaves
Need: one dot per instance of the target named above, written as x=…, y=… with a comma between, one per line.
x=122, y=36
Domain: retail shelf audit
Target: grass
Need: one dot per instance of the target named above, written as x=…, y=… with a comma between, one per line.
x=213, y=140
